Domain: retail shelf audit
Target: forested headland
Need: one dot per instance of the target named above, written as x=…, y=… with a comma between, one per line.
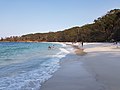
x=103, y=29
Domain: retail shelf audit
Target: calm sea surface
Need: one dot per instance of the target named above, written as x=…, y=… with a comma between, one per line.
x=24, y=66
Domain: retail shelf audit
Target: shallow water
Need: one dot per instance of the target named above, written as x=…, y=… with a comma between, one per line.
x=24, y=66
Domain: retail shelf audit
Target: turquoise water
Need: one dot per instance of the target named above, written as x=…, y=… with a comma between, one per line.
x=24, y=66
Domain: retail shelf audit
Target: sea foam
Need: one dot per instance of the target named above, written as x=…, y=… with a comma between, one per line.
x=32, y=78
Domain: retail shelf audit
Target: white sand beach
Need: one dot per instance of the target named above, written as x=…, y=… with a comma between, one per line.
x=98, y=69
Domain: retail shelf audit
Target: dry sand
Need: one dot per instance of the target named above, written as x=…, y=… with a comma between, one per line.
x=103, y=62
x=97, y=70
x=78, y=50
x=71, y=76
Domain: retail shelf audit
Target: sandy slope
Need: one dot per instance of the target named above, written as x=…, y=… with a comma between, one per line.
x=103, y=61
x=99, y=69
x=71, y=76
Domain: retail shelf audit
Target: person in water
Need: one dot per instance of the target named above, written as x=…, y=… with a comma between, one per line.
x=49, y=47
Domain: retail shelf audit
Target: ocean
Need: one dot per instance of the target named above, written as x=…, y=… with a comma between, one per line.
x=25, y=66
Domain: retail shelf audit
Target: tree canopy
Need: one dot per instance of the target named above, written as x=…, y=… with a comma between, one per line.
x=105, y=28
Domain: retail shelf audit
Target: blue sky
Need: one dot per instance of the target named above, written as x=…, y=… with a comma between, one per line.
x=18, y=17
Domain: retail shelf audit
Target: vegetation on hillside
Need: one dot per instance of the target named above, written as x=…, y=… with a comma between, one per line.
x=104, y=29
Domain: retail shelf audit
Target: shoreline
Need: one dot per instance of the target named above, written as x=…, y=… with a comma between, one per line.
x=92, y=71
x=95, y=66
x=34, y=70
x=71, y=75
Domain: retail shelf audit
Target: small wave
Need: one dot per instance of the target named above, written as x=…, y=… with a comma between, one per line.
x=27, y=72
x=30, y=80
x=64, y=50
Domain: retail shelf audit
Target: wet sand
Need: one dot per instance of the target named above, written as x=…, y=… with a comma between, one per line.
x=99, y=69
x=72, y=76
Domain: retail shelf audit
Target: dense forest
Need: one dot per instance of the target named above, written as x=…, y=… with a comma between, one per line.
x=103, y=29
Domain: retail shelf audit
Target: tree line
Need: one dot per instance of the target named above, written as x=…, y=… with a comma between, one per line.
x=103, y=29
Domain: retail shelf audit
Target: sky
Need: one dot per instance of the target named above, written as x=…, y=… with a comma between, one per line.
x=20, y=17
